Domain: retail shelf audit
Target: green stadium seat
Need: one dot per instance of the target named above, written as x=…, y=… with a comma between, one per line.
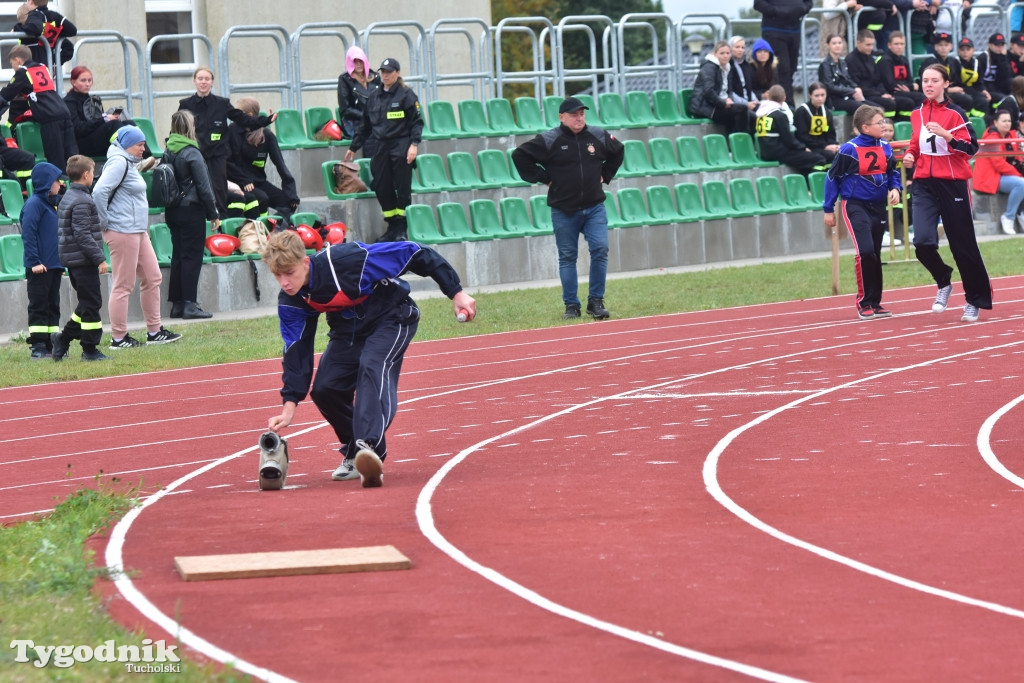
x=685, y=95
x=770, y=197
x=797, y=193
x=541, y=212
x=160, y=236
x=691, y=157
x=661, y=205
x=327, y=171
x=442, y=121
x=666, y=108
x=744, y=201
x=635, y=162
x=153, y=208
x=473, y=119
x=663, y=156
x=515, y=217
x=512, y=170
x=632, y=208
x=690, y=205
x=451, y=219
x=422, y=227
x=613, y=112
x=744, y=153
x=978, y=123
x=463, y=174
x=529, y=115
x=152, y=141
x=551, y=104
x=30, y=139
x=592, y=104
x=499, y=115
x=431, y=173
x=13, y=201
x=484, y=220
x=902, y=130
x=316, y=117
x=611, y=210
x=305, y=218
x=638, y=106
x=816, y=181
x=494, y=170
x=716, y=199
x=290, y=132
x=12, y=258
x=716, y=151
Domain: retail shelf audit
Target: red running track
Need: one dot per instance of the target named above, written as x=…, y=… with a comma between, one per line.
x=776, y=492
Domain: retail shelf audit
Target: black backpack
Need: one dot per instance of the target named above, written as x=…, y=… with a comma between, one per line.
x=165, y=191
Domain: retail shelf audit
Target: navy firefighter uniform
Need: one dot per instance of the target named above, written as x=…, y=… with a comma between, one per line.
x=372, y=319
x=862, y=175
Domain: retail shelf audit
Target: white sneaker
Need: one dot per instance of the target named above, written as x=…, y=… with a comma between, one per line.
x=346, y=470
x=970, y=314
x=942, y=298
x=369, y=466
x=895, y=240
x=1007, y=224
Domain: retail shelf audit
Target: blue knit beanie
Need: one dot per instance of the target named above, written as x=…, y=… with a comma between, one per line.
x=128, y=136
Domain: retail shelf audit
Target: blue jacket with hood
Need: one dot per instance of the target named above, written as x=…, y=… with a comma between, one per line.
x=39, y=220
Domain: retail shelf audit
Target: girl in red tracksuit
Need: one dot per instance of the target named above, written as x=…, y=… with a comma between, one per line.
x=942, y=143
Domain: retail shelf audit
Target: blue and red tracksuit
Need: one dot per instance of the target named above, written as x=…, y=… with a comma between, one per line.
x=372, y=319
x=862, y=174
x=942, y=192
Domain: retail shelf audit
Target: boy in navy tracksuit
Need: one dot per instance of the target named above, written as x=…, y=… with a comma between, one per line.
x=372, y=319
x=864, y=175
x=42, y=260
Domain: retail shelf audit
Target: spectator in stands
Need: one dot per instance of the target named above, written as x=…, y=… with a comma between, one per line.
x=782, y=26
x=1016, y=55
x=120, y=197
x=712, y=98
x=897, y=77
x=47, y=27
x=212, y=114
x=862, y=69
x=775, y=135
x=763, y=68
x=1013, y=103
x=251, y=149
x=32, y=80
x=814, y=125
x=93, y=127
x=943, y=47
x=834, y=74
x=970, y=78
x=947, y=16
x=922, y=23
x=835, y=23
x=354, y=88
x=994, y=174
x=392, y=116
x=741, y=74
x=995, y=67
x=941, y=145
x=865, y=177
x=573, y=160
x=187, y=220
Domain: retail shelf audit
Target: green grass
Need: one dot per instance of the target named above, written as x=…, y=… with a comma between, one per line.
x=45, y=573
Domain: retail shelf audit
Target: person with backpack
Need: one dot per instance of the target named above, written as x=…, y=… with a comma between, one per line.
x=187, y=216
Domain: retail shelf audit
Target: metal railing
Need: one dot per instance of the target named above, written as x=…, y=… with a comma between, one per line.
x=283, y=86
x=128, y=47
x=316, y=30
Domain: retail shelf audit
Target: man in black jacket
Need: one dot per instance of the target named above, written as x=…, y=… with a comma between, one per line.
x=780, y=25
x=861, y=64
x=573, y=160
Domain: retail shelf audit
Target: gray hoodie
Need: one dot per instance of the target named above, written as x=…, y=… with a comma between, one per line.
x=126, y=209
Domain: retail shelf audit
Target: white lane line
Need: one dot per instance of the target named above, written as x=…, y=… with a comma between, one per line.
x=715, y=489
x=985, y=443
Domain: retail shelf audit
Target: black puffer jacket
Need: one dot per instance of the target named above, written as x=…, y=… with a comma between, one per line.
x=835, y=76
x=80, y=240
x=190, y=172
x=707, y=89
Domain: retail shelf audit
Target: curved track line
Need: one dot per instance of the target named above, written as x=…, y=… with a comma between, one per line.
x=985, y=445
x=114, y=550
x=711, y=483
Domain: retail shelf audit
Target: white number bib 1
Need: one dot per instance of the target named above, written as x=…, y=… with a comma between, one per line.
x=933, y=145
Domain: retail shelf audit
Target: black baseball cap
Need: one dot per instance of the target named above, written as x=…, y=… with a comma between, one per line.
x=390, y=64
x=570, y=105
x=1018, y=40
x=966, y=42
x=943, y=37
x=997, y=39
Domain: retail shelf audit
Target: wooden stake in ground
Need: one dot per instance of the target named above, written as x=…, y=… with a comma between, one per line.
x=291, y=563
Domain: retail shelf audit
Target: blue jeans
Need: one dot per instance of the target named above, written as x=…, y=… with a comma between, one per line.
x=1013, y=186
x=592, y=223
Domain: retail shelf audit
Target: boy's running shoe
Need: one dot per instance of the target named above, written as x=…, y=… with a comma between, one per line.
x=346, y=470
x=369, y=466
x=129, y=342
x=95, y=354
x=866, y=313
x=970, y=314
x=162, y=336
x=882, y=312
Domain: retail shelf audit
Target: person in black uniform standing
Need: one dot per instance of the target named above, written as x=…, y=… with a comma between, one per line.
x=211, y=113
x=33, y=80
x=392, y=116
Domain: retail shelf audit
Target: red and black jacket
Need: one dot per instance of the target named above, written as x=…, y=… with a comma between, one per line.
x=933, y=157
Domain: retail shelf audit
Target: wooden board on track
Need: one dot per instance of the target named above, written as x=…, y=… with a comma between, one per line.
x=291, y=563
